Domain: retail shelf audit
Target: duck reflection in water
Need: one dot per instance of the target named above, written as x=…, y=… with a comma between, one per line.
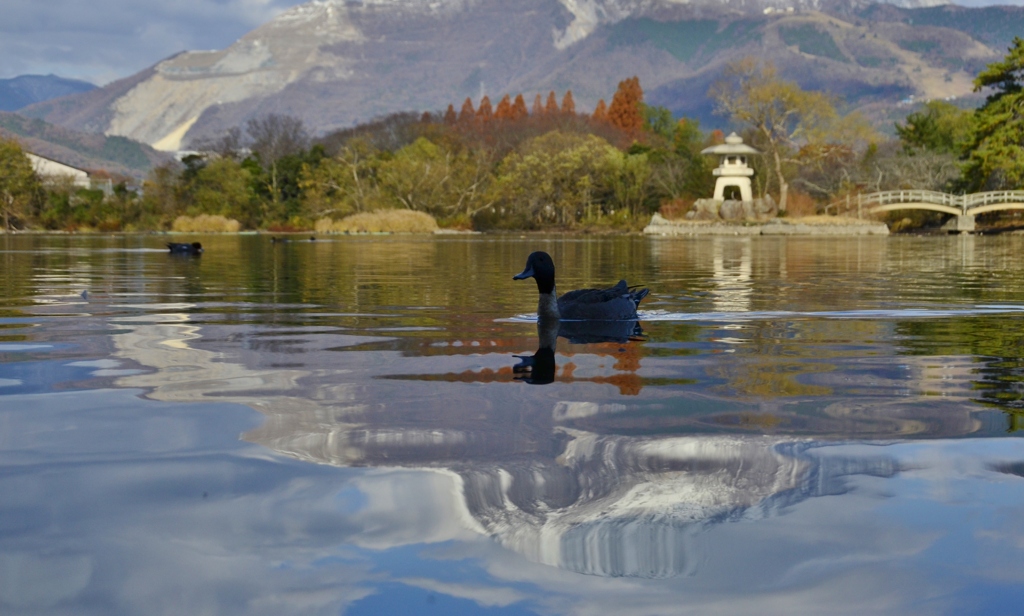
x=539, y=368
x=178, y=248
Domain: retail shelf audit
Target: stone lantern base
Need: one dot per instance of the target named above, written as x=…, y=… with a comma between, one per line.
x=752, y=210
x=742, y=183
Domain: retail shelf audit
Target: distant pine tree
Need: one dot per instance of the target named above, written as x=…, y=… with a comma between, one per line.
x=538, y=106
x=426, y=118
x=625, y=111
x=504, y=109
x=467, y=112
x=519, y=108
x=484, y=112
x=568, y=104
x=600, y=112
x=449, y=116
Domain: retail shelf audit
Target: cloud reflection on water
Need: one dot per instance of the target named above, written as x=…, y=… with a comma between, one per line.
x=606, y=505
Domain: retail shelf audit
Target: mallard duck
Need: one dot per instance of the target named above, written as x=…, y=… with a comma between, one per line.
x=616, y=303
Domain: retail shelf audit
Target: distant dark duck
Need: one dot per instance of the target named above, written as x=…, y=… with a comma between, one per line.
x=195, y=248
x=616, y=303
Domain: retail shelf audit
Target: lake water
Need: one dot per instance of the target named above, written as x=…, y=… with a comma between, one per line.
x=802, y=426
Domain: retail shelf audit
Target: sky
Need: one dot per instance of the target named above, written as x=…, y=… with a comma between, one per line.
x=103, y=40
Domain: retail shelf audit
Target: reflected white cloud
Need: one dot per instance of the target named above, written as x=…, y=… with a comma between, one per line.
x=29, y=580
x=574, y=521
x=482, y=595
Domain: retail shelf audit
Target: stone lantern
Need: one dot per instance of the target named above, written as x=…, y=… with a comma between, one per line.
x=733, y=169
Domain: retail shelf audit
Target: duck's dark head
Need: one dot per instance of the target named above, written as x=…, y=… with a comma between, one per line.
x=541, y=268
x=197, y=247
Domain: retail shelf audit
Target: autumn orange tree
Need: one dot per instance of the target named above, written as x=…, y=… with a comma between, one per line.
x=626, y=112
x=485, y=111
x=467, y=113
x=552, y=105
x=568, y=104
x=504, y=109
x=519, y=108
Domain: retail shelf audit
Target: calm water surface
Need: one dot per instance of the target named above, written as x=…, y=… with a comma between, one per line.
x=802, y=426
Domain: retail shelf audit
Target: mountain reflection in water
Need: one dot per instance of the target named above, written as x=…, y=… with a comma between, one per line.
x=600, y=504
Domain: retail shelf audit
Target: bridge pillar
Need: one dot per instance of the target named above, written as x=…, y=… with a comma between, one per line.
x=960, y=224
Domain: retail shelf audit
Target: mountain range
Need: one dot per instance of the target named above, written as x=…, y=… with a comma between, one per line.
x=333, y=63
x=24, y=90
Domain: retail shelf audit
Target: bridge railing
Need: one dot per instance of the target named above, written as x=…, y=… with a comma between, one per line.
x=863, y=201
x=915, y=196
x=860, y=202
x=995, y=196
x=965, y=203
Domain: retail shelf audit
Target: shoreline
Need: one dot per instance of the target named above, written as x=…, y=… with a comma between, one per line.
x=809, y=226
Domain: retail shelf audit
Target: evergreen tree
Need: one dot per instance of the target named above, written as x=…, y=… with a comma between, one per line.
x=568, y=104
x=625, y=111
x=449, y=116
x=939, y=127
x=20, y=187
x=995, y=149
x=600, y=112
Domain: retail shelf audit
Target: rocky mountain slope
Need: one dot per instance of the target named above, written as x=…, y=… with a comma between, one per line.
x=336, y=62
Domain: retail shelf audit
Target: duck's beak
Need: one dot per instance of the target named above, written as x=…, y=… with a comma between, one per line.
x=527, y=273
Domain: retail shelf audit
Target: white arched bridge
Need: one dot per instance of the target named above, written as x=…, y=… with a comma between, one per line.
x=964, y=207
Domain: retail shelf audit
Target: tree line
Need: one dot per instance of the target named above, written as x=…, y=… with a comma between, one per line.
x=507, y=166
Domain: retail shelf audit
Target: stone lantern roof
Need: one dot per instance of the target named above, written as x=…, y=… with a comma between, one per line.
x=733, y=145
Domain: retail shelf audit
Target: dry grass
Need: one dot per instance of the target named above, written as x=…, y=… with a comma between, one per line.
x=204, y=223
x=799, y=204
x=381, y=221
x=676, y=209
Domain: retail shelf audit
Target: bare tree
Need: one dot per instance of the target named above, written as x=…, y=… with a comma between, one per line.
x=794, y=125
x=273, y=137
x=231, y=144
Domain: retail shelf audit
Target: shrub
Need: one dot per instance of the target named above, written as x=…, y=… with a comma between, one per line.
x=676, y=209
x=205, y=223
x=380, y=221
